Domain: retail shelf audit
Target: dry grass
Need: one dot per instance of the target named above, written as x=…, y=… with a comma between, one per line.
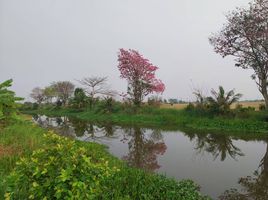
x=174, y=106
x=9, y=150
x=254, y=104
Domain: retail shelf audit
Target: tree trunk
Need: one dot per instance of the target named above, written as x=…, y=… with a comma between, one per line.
x=264, y=92
x=266, y=100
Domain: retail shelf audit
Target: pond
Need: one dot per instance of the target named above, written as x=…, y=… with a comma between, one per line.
x=225, y=167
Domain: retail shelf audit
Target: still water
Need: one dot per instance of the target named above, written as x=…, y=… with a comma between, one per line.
x=225, y=167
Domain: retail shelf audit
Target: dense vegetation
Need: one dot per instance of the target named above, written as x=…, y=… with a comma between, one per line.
x=60, y=167
x=8, y=105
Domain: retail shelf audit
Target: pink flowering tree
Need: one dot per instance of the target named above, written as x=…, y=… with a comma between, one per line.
x=140, y=74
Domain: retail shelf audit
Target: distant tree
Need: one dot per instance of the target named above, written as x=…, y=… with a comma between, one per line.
x=96, y=86
x=201, y=100
x=38, y=95
x=49, y=92
x=245, y=36
x=8, y=105
x=221, y=101
x=154, y=100
x=173, y=101
x=140, y=74
x=63, y=90
x=80, y=99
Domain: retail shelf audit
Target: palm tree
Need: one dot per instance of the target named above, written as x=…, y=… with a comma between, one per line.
x=220, y=101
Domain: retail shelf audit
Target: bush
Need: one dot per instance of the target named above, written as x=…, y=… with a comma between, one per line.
x=132, y=183
x=190, y=107
x=63, y=170
x=154, y=101
x=242, y=112
x=67, y=169
x=262, y=107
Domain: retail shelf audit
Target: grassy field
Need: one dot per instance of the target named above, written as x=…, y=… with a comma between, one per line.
x=245, y=104
x=35, y=164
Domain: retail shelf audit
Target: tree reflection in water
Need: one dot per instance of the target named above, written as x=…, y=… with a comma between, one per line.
x=253, y=187
x=143, y=151
x=80, y=127
x=92, y=131
x=218, y=145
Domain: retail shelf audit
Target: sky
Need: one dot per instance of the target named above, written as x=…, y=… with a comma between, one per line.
x=42, y=41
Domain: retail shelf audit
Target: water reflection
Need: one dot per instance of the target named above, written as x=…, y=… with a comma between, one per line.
x=143, y=151
x=218, y=145
x=252, y=187
x=90, y=131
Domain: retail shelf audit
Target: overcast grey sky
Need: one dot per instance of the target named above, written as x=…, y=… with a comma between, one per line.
x=42, y=41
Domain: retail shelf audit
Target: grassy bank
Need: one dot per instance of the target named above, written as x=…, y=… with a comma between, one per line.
x=35, y=164
x=252, y=123
x=17, y=140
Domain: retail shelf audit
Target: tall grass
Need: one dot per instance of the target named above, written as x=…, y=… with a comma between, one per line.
x=17, y=140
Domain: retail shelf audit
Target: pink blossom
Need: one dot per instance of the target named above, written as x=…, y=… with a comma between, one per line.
x=139, y=73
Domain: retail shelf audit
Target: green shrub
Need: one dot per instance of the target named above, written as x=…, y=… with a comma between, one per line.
x=132, y=183
x=63, y=170
x=262, y=106
x=190, y=107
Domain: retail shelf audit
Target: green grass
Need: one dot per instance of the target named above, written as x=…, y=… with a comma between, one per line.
x=252, y=123
x=17, y=140
x=74, y=164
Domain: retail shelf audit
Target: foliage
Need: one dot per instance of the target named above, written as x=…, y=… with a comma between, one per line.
x=140, y=74
x=96, y=87
x=106, y=106
x=173, y=101
x=63, y=170
x=29, y=106
x=220, y=101
x=49, y=92
x=201, y=104
x=217, y=104
x=253, y=123
x=245, y=37
x=63, y=90
x=262, y=107
x=154, y=101
x=38, y=95
x=80, y=100
x=17, y=139
x=130, y=183
x=69, y=169
x=8, y=105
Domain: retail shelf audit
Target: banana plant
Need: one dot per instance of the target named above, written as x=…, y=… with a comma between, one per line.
x=8, y=105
